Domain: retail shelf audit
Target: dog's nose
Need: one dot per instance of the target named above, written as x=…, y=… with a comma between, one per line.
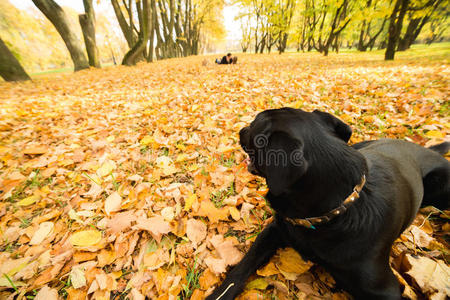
x=254, y=172
x=251, y=168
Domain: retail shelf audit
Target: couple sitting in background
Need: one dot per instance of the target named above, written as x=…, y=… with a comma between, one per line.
x=226, y=60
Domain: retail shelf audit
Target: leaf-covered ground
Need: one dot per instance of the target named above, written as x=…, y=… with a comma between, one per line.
x=130, y=182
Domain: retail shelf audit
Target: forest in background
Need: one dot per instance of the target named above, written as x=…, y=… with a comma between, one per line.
x=326, y=25
x=149, y=30
x=38, y=46
x=178, y=28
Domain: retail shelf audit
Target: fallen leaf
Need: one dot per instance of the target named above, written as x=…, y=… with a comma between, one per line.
x=28, y=200
x=106, y=168
x=207, y=209
x=156, y=226
x=189, y=202
x=166, y=165
x=77, y=278
x=45, y=229
x=113, y=203
x=292, y=262
x=207, y=279
x=156, y=259
x=257, y=284
x=268, y=270
x=430, y=275
x=216, y=265
x=419, y=237
x=74, y=294
x=46, y=293
x=434, y=134
x=86, y=238
x=195, y=231
x=32, y=150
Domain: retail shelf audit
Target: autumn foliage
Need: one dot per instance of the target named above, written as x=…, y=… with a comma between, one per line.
x=130, y=181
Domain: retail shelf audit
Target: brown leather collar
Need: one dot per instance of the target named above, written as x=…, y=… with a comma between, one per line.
x=310, y=222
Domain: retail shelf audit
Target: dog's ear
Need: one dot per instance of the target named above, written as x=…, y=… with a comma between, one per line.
x=284, y=162
x=342, y=130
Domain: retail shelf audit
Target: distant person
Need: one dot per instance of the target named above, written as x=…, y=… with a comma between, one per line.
x=227, y=60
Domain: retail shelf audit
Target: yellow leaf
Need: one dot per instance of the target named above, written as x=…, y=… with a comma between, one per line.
x=268, y=270
x=86, y=238
x=207, y=279
x=181, y=147
x=257, y=284
x=28, y=200
x=214, y=214
x=166, y=165
x=106, y=168
x=77, y=278
x=434, y=134
x=292, y=262
x=189, y=201
x=182, y=157
x=146, y=140
x=168, y=213
x=193, y=167
x=234, y=212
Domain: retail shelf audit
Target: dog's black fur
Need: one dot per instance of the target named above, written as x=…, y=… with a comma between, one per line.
x=354, y=247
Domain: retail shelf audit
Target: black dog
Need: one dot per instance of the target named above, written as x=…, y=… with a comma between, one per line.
x=337, y=205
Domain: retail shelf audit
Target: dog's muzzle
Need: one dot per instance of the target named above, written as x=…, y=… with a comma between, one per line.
x=251, y=167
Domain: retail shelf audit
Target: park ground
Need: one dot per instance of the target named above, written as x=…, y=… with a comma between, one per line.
x=130, y=182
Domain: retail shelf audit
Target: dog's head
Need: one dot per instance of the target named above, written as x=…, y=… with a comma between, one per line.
x=277, y=141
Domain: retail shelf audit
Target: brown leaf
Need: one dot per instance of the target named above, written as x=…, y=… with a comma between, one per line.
x=120, y=222
x=156, y=226
x=156, y=259
x=46, y=293
x=195, y=231
x=113, y=203
x=431, y=276
x=216, y=265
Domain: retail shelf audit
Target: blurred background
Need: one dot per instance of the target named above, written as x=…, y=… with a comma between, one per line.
x=50, y=35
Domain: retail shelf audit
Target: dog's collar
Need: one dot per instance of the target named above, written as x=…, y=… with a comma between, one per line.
x=311, y=222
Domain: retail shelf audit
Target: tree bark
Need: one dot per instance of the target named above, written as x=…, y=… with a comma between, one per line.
x=334, y=32
x=126, y=29
x=131, y=57
x=395, y=27
x=361, y=46
x=87, y=23
x=59, y=19
x=10, y=68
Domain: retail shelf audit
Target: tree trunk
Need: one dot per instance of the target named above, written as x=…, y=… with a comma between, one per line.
x=131, y=57
x=126, y=29
x=87, y=23
x=10, y=68
x=395, y=27
x=151, y=25
x=361, y=46
x=405, y=42
x=59, y=19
